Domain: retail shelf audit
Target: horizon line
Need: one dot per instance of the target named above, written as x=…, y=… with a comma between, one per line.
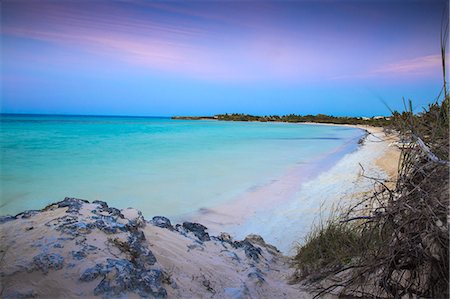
x=170, y=116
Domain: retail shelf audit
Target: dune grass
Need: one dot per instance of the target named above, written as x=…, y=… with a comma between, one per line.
x=394, y=243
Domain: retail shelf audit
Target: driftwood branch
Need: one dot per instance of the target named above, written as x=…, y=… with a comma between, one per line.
x=429, y=153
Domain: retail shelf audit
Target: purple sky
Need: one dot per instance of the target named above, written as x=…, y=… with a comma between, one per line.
x=204, y=57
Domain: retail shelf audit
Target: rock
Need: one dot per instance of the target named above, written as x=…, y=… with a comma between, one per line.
x=140, y=254
x=104, y=208
x=7, y=218
x=134, y=217
x=121, y=276
x=46, y=261
x=102, y=204
x=115, y=212
x=257, y=239
x=108, y=224
x=79, y=255
x=90, y=247
x=251, y=251
x=256, y=276
x=225, y=237
x=104, y=288
x=73, y=204
x=92, y=273
x=198, y=230
x=162, y=222
x=27, y=214
x=150, y=282
x=195, y=246
x=71, y=225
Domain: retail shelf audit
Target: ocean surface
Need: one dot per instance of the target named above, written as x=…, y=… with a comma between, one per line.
x=157, y=165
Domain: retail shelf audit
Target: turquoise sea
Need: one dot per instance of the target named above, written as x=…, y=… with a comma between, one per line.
x=157, y=165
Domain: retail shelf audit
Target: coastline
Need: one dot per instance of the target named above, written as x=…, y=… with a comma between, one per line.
x=284, y=210
x=79, y=249
x=390, y=158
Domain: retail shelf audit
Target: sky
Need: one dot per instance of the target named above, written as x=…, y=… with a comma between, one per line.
x=164, y=58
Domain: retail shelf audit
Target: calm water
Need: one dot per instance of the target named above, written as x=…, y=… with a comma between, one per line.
x=158, y=165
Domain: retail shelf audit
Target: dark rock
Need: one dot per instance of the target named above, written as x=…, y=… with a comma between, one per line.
x=102, y=204
x=195, y=246
x=198, y=230
x=27, y=214
x=137, y=220
x=257, y=276
x=143, y=255
x=58, y=245
x=108, y=224
x=115, y=212
x=146, y=257
x=122, y=276
x=161, y=221
x=7, y=218
x=225, y=237
x=79, y=255
x=81, y=240
x=104, y=208
x=251, y=251
x=71, y=225
x=104, y=288
x=92, y=273
x=150, y=282
x=120, y=265
x=122, y=280
x=46, y=261
x=73, y=204
x=90, y=248
x=258, y=240
x=179, y=228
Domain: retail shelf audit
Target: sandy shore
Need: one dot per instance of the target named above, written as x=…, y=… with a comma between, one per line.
x=390, y=157
x=284, y=210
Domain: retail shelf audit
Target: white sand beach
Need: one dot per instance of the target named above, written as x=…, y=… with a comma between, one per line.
x=283, y=211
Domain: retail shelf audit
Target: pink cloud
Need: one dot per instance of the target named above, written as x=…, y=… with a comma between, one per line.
x=415, y=67
x=418, y=65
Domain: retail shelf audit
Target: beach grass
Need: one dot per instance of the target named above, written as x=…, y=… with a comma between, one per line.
x=393, y=243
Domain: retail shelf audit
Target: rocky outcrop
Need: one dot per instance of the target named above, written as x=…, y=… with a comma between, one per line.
x=82, y=249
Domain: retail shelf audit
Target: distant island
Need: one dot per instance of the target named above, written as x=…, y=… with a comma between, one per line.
x=378, y=121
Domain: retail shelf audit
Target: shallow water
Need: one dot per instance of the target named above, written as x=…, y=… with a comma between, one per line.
x=157, y=165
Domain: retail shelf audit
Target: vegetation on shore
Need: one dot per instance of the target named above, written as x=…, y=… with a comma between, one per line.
x=395, y=242
x=378, y=121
